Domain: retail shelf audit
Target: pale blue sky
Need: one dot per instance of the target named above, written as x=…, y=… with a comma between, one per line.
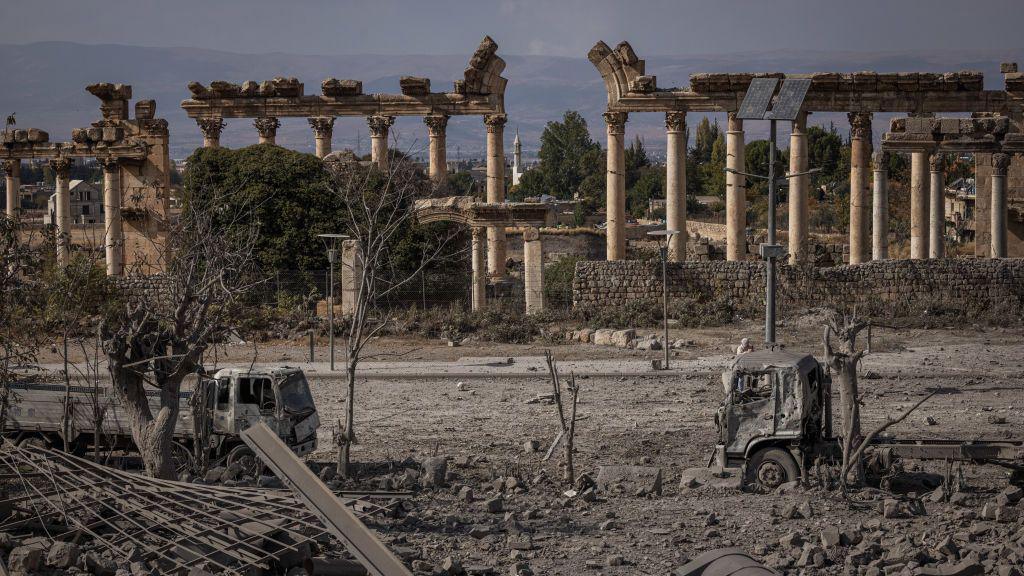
x=557, y=27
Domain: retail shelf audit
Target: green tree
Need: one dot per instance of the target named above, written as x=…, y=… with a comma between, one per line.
x=825, y=151
x=566, y=158
x=650, y=183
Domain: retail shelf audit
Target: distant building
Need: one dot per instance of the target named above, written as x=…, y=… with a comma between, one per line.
x=86, y=204
x=959, y=197
x=517, y=160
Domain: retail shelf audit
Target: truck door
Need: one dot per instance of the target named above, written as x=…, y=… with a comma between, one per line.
x=751, y=414
x=256, y=402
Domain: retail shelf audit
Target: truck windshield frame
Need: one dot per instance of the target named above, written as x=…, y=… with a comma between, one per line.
x=296, y=397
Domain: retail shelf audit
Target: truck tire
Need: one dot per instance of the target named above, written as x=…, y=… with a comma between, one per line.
x=771, y=468
x=246, y=459
x=182, y=457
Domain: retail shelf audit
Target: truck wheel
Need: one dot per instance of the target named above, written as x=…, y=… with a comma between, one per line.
x=771, y=468
x=182, y=458
x=33, y=442
x=246, y=459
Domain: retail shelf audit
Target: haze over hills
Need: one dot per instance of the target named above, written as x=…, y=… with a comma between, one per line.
x=44, y=84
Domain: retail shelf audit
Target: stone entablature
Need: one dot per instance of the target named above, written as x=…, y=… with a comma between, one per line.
x=984, y=134
x=631, y=89
x=888, y=287
x=480, y=91
x=471, y=212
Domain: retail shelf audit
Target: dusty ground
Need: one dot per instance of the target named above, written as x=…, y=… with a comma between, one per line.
x=655, y=421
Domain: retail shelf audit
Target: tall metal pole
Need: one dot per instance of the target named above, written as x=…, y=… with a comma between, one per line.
x=769, y=315
x=332, y=255
x=664, y=293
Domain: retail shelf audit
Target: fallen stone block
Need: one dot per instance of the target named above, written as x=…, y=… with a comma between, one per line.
x=434, y=471
x=965, y=568
x=25, y=560
x=633, y=479
x=603, y=337
x=62, y=555
x=623, y=338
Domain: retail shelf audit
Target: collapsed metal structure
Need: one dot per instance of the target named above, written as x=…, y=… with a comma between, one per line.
x=175, y=526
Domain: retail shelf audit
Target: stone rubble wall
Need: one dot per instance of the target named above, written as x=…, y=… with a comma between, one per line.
x=889, y=287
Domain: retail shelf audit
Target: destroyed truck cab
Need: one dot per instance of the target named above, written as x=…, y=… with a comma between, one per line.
x=278, y=397
x=776, y=415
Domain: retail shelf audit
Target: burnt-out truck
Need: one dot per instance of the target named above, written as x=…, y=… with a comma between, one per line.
x=235, y=399
x=776, y=421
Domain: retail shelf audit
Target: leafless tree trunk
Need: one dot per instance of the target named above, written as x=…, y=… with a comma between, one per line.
x=378, y=208
x=567, y=425
x=843, y=363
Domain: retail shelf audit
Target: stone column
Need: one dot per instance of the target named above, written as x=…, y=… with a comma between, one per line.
x=798, y=186
x=479, y=257
x=735, y=192
x=379, y=128
x=437, y=125
x=1000, y=165
x=351, y=274
x=323, y=131
x=615, y=228
x=211, y=128
x=675, y=184
x=880, y=207
x=533, y=270
x=12, y=171
x=62, y=209
x=267, y=129
x=860, y=154
x=496, y=192
x=937, y=210
x=919, y=204
x=113, y=235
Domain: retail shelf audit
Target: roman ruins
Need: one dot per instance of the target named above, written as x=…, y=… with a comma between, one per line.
x=861, y=94
x=133, y=153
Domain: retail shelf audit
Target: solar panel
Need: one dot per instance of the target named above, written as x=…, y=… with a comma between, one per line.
x=757, y=99
x=790, y=99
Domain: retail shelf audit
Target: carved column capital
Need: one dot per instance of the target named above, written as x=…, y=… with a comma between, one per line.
x=211, y=127
x=436, y=124
x=379, y=125
x=11, y=166
x=266, y=126
x=62, y=166
x=937, y=161
x=1001, y=163
x=860, y=124
x=323, y=126
x=109, y=164
x=616, y=122
x=880, y=160
x=495, y=122
x=675, y=121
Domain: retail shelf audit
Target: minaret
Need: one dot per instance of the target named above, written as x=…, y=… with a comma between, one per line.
x=517, y=159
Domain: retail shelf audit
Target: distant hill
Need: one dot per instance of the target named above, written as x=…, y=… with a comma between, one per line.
x=44, y=84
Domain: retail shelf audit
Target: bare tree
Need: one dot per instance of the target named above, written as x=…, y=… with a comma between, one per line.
x=20, y=305
x=378, y=208
x=566, y=418
x=843, y=363
x=159, y=335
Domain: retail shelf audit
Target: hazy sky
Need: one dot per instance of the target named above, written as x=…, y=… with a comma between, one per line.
x=557, y=27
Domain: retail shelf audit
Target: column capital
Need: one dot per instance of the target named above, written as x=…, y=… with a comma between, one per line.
x=937, y=161
x=323, y=126
x=675, y=121
x=211, y=127
x=733, y=123
x=436, y=124
x=1001, y=163
x=61, y=166
x=266, y=126
x=616, y=122
x=495, y=122
x=860, y=124
x=880, y=160
x=11, y=166
x=379, y=125
x=108, y=163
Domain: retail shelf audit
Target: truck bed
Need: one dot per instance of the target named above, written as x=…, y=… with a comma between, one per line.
x=40, y=408
x=955, y=450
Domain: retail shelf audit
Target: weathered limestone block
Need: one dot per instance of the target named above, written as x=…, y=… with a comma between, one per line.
x=335, y=88
x=145, y=110
x=109, y=91
x=603, y=337
x=414, y=86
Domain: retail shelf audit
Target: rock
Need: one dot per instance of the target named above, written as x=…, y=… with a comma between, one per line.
x=830, y=537
x=965, y=568
x=327, y=473
x=214, y=474
x=62, y=555
x=585, y=335
x=931, y=421
x=1006, y=514
x=434, y=471
x=648, y=344
x=890, y=508
x=466, y=494
x=531, y=446
x=24, y=560
x=269, y=482
x=608, y=525
x=1012, y=494
x=478, y=531
x=791, y=540
x=603, y=337
x=633, y=479
x=805, y=509
x=452, y=566
x=100, y=565
x=615, y=560
x=623, y=338
x=495, y=505
x=6, y=541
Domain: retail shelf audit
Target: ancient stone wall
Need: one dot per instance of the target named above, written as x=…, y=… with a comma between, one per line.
x=889, y=287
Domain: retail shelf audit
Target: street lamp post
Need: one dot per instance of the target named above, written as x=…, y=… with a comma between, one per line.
x=331, y=241
x=664, y=238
